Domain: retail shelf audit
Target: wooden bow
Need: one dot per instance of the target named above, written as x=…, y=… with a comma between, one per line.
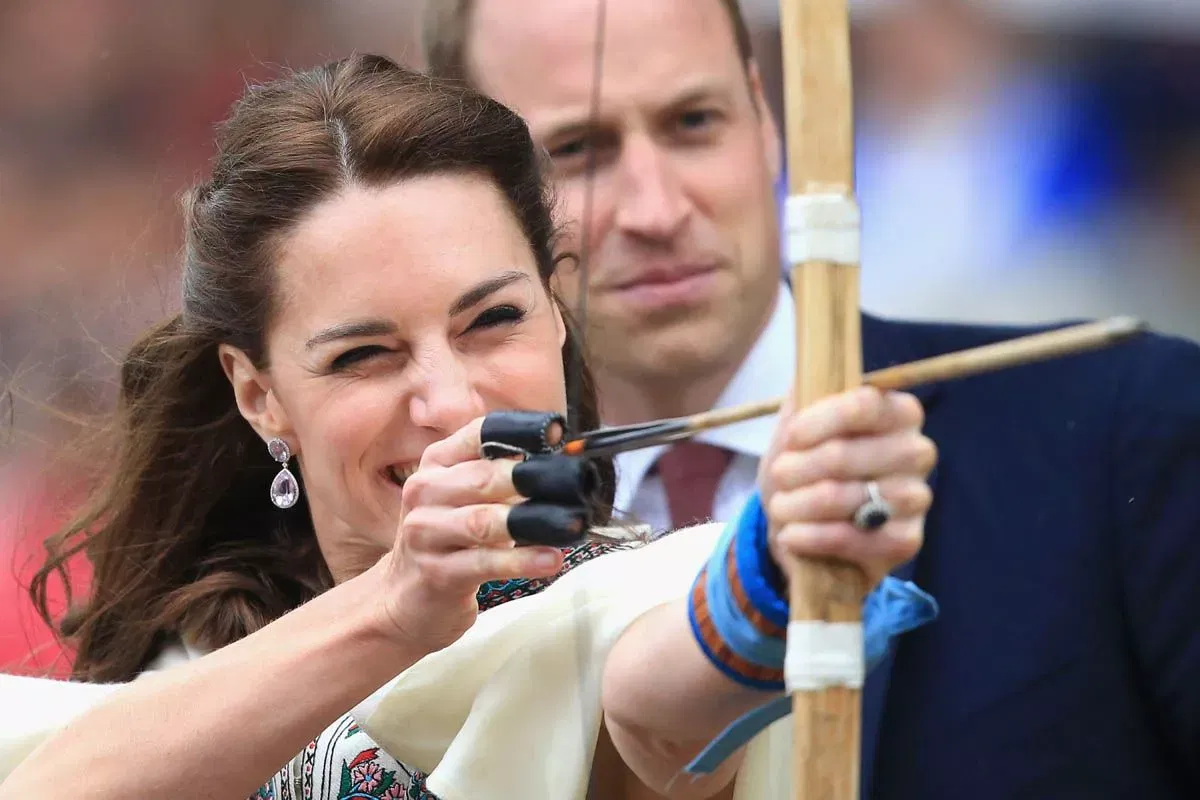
x=819, y=135
x=818, y=96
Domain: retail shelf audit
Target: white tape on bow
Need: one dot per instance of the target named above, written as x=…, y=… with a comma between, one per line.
x=823, y=654
x=822, y=227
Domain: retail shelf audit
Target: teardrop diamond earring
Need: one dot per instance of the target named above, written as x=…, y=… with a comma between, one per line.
x=285, y=490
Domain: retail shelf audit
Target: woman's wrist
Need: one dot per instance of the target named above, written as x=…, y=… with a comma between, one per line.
x=737, y=614
x=375, y=609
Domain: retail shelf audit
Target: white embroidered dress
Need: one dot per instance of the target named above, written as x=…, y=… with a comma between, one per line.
x=510, y=710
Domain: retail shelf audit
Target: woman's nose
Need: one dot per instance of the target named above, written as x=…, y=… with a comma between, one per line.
x=445, y=398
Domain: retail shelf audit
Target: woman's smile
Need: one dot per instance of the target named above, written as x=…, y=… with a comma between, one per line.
x=399, y=473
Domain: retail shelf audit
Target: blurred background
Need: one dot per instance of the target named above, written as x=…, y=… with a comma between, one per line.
x=1019, y=161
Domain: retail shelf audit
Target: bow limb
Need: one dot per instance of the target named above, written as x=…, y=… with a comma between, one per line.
x=822, y=241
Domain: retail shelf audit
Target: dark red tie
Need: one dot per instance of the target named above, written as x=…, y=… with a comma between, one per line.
x=690, y=472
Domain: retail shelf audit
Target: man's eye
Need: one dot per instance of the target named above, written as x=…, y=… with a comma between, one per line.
x=600, y=147
x=498, y=315
x=571, y=149
x=697, y=118
x=356, y=356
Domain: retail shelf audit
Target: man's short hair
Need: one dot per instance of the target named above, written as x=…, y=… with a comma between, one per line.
x=445, y=26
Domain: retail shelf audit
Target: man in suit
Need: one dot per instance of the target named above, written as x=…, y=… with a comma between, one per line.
x=1063, y=544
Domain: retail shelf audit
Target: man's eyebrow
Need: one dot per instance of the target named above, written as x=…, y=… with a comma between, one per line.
x=700, y=93
x=579, y=122
x=571, y=130
x=485, y=289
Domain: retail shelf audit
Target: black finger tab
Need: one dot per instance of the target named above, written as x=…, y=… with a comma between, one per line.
x=556, y=479
x=547, y=524
x=514, y=433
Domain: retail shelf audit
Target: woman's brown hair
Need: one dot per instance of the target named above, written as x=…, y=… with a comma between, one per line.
x=183, y=539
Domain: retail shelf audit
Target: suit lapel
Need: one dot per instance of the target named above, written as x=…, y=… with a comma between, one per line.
x=886, y=344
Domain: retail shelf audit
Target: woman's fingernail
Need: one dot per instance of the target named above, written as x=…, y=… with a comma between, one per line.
x=546, y=559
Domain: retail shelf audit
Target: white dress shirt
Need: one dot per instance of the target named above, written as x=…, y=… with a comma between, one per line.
x=767, y=372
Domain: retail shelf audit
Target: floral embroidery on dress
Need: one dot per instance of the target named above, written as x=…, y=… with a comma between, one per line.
x=344, y=764
x=366, y=777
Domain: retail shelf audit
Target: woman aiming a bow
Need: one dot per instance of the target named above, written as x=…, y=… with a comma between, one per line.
x=299, y=532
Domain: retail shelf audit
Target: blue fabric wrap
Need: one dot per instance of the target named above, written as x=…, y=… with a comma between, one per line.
x=894, y=607
x=735, y=630
x=761, y=577
x=728, y=672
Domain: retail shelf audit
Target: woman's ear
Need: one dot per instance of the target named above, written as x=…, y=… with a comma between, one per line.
x=255, y=397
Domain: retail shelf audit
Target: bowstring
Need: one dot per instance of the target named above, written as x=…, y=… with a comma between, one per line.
x=585, y=236
x=582, y=628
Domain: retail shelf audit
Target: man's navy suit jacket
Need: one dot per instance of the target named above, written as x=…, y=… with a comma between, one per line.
x=1063, y=547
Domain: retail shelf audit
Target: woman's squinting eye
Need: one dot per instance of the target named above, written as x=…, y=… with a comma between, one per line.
x=496, y=316
x=492, y=318
x=356, y=356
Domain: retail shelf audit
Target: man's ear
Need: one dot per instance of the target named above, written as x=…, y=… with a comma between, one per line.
x=768, y=127
x=560, y=324
x=256, y=400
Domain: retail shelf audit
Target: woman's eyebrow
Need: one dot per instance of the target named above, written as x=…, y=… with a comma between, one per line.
x=484, y=289
x=366, y=328
x=351, y=330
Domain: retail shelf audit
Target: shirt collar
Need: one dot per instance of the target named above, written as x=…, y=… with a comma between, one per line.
x=765, y=373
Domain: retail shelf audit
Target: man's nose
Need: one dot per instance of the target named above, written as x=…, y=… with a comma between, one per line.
x=651, y=199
